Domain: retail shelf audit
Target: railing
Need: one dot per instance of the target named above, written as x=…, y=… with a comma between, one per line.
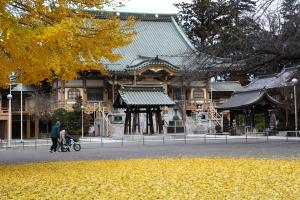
x=13, y=109
x=207, y=106
x=96, y=142
x=215, y=116
x=89, y=105
x=4, y=110
x=100, y=109
x=106, y=128
x=191, y=105
x=98, y=105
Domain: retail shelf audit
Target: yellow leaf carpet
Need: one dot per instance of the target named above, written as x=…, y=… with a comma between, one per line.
x=179, y=178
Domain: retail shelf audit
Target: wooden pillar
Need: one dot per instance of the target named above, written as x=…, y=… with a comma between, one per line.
x=126, y=122
x=245, y=117
x=159, y=121
x=151, y=122
x=147, y=119
x=105, y=94
x=28, y=128
x=129, y=124
x=62, y=93
x=3, y=133
x=286, y=117
x=232, y=117
x=252, y=114
x=139, y=126
x=113, y=89
x=84, y=93
x=267, y=118
x=156, y=121
x=134, y=121
x=36, y=128
x=286, y=111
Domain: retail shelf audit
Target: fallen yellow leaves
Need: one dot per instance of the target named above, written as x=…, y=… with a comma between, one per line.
x=181, y=178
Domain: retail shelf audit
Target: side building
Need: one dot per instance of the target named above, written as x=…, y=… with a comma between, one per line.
x=267, y=103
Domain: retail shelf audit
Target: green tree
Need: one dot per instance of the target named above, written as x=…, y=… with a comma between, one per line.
x=209, y=22
x=265, y=43
x=78, y=103
x=72, y=120
x=290, y=9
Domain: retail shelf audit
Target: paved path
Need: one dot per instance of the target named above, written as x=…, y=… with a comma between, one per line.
x=92, y=151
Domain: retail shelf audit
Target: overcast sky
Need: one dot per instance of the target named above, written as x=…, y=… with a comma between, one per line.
x=151, y=6
x=158, y=6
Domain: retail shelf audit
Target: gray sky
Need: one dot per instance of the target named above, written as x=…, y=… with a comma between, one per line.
x=151, y=6
x=160, y=6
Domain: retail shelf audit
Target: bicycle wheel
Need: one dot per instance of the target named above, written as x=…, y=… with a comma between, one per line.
x=76, y=147
x=64, y=149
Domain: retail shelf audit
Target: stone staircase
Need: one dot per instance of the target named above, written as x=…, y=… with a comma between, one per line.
x=216, y=117
x=213, y=116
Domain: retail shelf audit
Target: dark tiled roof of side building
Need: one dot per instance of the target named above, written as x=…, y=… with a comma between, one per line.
x=244, y=99
x=281, y=79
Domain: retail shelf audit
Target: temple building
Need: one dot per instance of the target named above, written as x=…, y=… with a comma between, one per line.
x=160, y=55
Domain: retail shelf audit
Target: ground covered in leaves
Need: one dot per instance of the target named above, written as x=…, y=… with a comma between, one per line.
x=190, y=178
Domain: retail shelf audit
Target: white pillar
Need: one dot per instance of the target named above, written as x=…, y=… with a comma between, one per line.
x=82, y=131
x=21, y=112
x=296, y=114
x=103, y=122
x=9, y=135
x=295, y=80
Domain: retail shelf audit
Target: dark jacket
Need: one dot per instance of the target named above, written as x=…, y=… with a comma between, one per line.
x=55, y=131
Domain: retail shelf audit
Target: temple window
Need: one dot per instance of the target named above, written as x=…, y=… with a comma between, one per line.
x=198, y=94
x=177, y=93
x=73, y=93
x=95, y=94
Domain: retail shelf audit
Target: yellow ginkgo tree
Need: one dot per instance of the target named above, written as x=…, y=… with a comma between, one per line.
x=47, y=39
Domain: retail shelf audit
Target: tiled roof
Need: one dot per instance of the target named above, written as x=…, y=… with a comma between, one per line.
x=145, y=62
x=226, y=86
x=25, y=88
x=159, y=37
x=246, y=99
x=281, y=79
x=139, y=16
x=144, y=96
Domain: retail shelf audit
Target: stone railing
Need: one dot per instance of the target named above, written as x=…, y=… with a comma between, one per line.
x=89, y=106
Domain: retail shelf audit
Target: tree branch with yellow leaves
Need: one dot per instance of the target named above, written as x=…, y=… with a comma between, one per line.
x=47, y=39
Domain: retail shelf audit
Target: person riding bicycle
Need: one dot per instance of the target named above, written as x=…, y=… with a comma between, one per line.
x=68, y=138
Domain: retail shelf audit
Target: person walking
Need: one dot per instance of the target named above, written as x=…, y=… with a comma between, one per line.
x=62, y=139
x=54, y=136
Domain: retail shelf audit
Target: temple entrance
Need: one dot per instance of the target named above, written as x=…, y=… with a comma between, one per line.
x=147, y=100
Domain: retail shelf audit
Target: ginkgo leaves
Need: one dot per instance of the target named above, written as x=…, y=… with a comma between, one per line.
x=43, y=40
x=182, y=178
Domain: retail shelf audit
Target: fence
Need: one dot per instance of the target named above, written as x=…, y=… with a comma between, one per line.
x=163, y=139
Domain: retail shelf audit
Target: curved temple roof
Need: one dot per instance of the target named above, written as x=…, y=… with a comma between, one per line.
x=160, y=37
x=246, y=99
x=279, y=80
x=142, y=96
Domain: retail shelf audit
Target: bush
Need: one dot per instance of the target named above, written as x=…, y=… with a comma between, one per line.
x=72, y=121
